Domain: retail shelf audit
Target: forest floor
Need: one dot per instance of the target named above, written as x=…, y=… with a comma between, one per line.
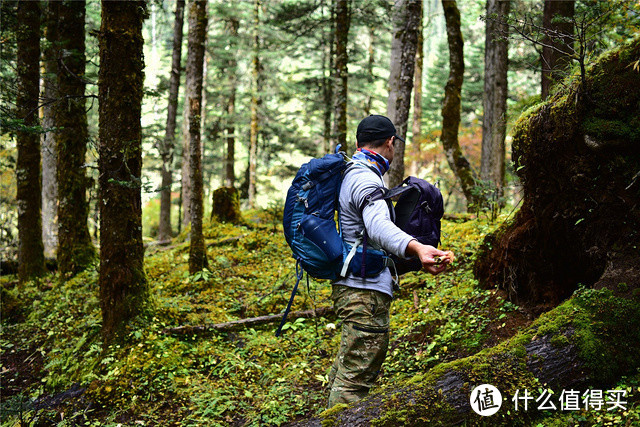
x=55, y=371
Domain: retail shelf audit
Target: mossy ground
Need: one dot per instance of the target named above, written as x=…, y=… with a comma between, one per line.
x=51, y=338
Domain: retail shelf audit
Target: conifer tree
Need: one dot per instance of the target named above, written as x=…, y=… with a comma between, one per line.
x=494, y=122
x=343, y=21
x=75, y=250
x=255, y=104
x=48, y=141
x=406, y=25
x=166, y=151
x=451, y=105
x=232, y=66
x=193, y=102
x=124, y=291
x=29, y=196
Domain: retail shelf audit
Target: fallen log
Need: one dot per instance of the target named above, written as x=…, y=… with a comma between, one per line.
x=249, y=322
x=226, y=241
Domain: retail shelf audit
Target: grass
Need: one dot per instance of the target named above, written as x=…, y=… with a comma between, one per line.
x=56, y=371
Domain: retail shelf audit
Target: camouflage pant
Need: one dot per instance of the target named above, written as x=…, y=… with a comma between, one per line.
x=363, y=346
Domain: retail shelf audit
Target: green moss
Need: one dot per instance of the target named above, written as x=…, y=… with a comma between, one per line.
x=611, y=129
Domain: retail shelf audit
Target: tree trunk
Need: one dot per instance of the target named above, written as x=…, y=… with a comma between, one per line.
x=185, y=183
x=416, y=126
x=166, y=151
x=48, y=140
x=255, y=104
x=124, y=291
x=232, y=69
x=451, y=105
x=29, y=187
x=343, y=21
x=328, y=59
x=195, y=64
x=494, y=122
x=406, y=26
x=226, y=205
x=370, y=77
x=75, y=250
x=559, y=39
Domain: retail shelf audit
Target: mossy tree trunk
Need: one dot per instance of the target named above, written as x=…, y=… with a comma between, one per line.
x=406, y=26
x=124, y=290
x=343, y=22
x=28, y=179
x=226, y=205
x=48, y=140
x=166, y=149
x=451, y=105
x=194, y=71
x=370, y=77
x=328, y=60
x=232, y=70
x=255, y=105
x=75, y=250
x=494, y=101
x=416, y=123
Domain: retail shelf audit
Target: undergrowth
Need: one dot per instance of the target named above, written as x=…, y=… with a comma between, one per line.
x=247, y=377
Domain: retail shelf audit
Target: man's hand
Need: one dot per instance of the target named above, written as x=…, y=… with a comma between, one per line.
x=433, y=260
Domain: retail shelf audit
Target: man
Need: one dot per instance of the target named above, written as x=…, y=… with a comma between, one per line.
x=362, y=304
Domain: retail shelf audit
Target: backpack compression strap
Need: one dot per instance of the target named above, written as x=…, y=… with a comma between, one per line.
x=299, y=274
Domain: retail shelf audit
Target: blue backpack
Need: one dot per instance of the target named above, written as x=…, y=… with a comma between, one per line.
x=311, y=232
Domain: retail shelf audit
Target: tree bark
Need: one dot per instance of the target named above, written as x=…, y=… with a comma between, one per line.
x=255, y=105
x=370, y=77
x=494, y=122
x=557, y=21
x=166, y=151
x=451, y=105
x=232, y=69
x=48, y=140
x=195, y=64
x=406, y=26
x=226, y=205
x=328, y=60
x=343, y=21
x=28, y=179
x=75, y=249
x=124, y=291
x=416, y=125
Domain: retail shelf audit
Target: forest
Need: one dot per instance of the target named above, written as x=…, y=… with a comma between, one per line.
x=146, y=151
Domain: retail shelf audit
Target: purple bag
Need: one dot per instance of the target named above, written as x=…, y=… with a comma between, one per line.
x=419, y=213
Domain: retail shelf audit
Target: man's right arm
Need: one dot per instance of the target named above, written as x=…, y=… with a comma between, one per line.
x=426, y=254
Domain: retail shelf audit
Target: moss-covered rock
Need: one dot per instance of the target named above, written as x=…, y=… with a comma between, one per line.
x=578, y=157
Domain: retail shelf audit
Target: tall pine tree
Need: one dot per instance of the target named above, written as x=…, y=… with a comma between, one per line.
x=29, y=196
x=75, y=250
x=193, y=102
x=124, y=290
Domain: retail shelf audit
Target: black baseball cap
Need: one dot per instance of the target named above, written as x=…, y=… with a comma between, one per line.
x=375, y=127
